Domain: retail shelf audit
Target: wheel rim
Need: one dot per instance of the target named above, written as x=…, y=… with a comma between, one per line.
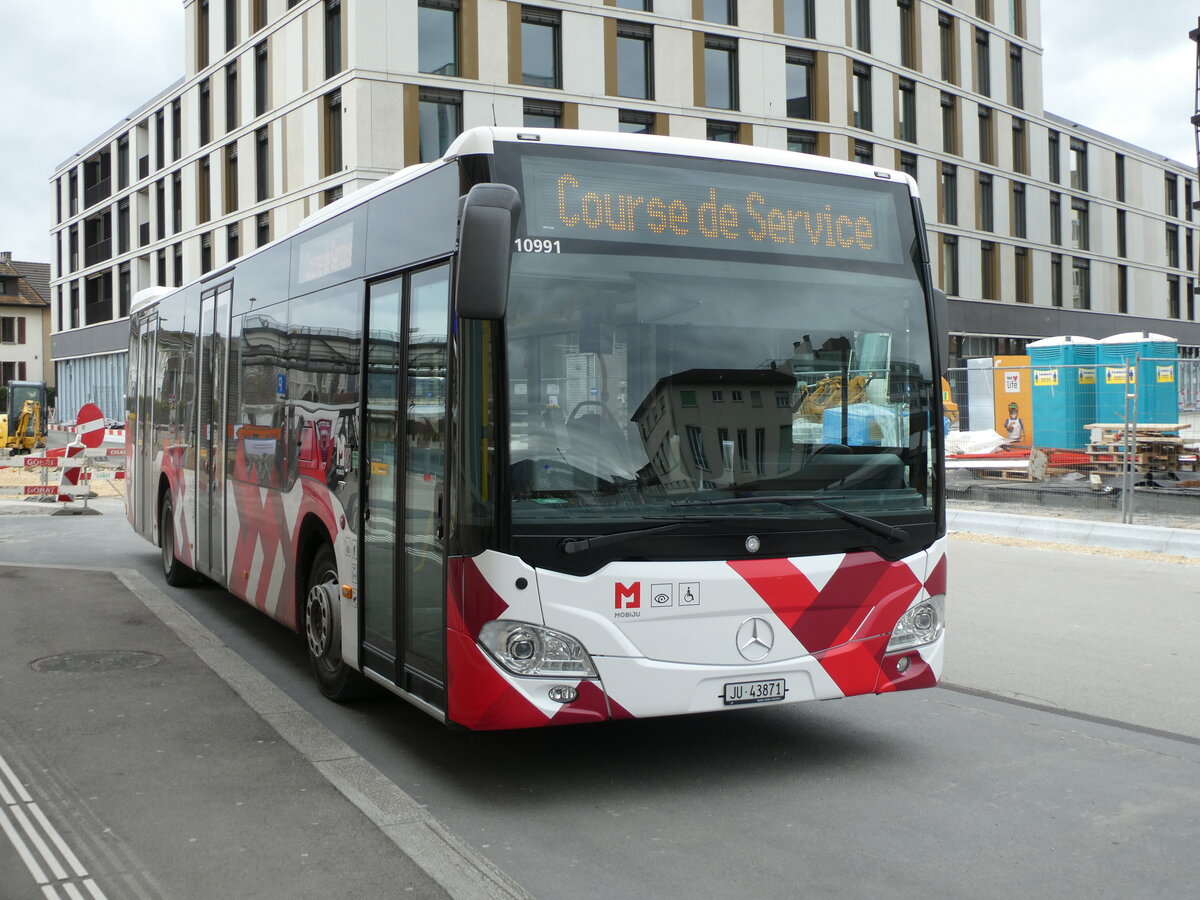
x=168, y=541
x=320, y=621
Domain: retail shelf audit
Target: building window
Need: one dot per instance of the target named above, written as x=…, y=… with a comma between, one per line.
x=332, y=195
x=542, y=114
x=1187, y=199
x=1081, y=284
x=630, y=121
x=262, y=229
x=907, y=124
x=986, y=203
x=177, y=257
x=1016, y=77
x=908, y=34
x=862, y=25
x=801, y=66
x=1122, y=247
x=949, y=49
x=724, y=132
x=203, y=191
x=1079, y=225
x=1019, y=219
x=949, y=123
x=160, y=209
x=696, y=442
x=123, y=171
x=1021, y=272
x=231, y=97
x=1016, y=17
x=723, y=12
x=1122, y=289
x=1056, y=276
x=124, y=290
x=1188, y=245
x=908, y=164
x=541, y=58
x=635, y=61
x=176, y=202
x=1173, y=246
x=230, y=179
x=1055, y=163
x=231, y=24
x=258, y=14
x=1120, y=161
x=333, y=37
x=332, y=155
x=1173, y=306
x=1171, y=189
x=1079, y=178
x=262, y=80
x=202, y=24
x=233, y=243
x=720, y=72
x=983, y=64
x=12, y=329
x=948, y=194
x=440, y=121
x=206, y=253
x=1056, y=218
x=262, y=165
x=205, y=106
x=862, y=96
x=802, y=141
x=798, y=18
x=950, y=264
x=123, y=226
x=987, y=270
x=638, y=5
x=437, y=36
x=864, y=153
x=1020, y=147
x=987, y=137
x=176, y=130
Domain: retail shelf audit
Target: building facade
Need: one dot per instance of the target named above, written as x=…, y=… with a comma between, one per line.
x=1038, y=226
x=24, y=321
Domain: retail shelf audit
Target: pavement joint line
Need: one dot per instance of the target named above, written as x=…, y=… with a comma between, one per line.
x=455, y=865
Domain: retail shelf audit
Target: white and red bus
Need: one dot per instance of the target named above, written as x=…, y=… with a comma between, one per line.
x=567, y=427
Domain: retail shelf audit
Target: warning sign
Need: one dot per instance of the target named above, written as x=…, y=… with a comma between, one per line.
x=1045, y=377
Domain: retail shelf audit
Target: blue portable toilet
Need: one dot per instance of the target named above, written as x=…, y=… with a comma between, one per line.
x=1064, y=390
x=1155, y=376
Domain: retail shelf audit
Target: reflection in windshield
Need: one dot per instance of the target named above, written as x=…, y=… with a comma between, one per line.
x=636, y=382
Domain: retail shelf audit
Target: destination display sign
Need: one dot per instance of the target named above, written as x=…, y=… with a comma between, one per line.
x=775, y=210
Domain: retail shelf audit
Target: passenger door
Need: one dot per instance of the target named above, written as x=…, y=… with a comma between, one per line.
x=404, y=441
x=210, y=438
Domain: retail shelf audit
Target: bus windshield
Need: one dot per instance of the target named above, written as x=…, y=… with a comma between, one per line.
x=684, y=331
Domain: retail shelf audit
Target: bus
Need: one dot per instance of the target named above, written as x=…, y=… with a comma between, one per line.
x=567, y=427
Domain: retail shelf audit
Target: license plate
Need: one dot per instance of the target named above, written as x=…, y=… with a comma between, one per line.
x=754, y=691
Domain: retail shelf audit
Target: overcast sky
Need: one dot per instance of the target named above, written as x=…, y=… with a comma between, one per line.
x=71, y=69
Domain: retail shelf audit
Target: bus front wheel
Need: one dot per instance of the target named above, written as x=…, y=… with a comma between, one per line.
x=321, y=626
x=175, y=572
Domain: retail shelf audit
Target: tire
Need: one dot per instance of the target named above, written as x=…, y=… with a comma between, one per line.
x=320, y=626
x=176, y=573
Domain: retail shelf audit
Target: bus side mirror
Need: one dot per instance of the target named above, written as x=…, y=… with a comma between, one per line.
x=486, y=225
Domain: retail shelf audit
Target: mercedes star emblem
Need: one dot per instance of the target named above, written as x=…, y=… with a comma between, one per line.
x=755, y=638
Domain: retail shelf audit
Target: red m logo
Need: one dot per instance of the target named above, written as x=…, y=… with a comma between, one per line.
x=628, y=597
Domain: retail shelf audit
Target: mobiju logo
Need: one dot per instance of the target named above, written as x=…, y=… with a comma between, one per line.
x=628, y=597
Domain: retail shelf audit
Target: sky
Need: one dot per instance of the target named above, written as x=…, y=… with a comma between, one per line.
x=72, y=69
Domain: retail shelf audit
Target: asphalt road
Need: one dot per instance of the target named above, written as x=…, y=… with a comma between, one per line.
x=1060, y=758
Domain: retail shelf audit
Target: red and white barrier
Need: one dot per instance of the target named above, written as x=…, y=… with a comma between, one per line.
x=73, y=460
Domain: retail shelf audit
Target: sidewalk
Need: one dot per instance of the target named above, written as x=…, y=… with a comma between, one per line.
x=1078, y=532
x=151, y=761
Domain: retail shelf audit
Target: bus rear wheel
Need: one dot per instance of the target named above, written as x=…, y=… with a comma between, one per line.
x=321, y=627
x=176, y=573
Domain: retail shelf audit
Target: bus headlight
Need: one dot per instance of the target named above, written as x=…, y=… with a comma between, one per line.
x=526, y=649
x=923, y=624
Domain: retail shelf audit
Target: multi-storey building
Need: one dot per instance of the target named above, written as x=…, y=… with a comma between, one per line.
x=1039, y=226
x=24, y=321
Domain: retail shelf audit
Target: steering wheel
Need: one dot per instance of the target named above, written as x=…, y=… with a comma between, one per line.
x=605, y=411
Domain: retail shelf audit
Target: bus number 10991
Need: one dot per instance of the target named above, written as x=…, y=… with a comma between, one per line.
x=537, y=245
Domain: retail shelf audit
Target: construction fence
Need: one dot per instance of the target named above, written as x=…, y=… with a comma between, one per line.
x=1096, y=439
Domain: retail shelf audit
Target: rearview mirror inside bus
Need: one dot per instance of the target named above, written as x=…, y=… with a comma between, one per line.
x=485, y=236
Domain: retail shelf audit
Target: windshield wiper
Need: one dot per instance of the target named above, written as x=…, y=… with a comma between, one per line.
x=579, y=545
x=890, y=532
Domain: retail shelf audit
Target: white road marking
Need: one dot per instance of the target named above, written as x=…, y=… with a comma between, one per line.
x=20, y=813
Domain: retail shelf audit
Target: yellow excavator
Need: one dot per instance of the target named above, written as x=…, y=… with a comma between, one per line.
x=23, y=425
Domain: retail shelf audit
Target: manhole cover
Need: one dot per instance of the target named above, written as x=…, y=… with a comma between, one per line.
x=96, y=661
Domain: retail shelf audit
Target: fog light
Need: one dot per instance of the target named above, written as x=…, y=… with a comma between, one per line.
x=562, y=694
x=902, y=665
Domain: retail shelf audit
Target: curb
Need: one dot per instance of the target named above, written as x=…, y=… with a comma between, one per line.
x=1146, y=538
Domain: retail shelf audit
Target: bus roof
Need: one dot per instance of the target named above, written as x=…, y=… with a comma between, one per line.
x=482, y=140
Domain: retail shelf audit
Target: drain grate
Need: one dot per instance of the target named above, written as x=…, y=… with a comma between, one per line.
x=89, y=661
